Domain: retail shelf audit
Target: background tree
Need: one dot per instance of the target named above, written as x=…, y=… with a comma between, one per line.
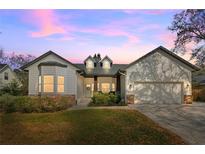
x=189, y=25
x=15, y=61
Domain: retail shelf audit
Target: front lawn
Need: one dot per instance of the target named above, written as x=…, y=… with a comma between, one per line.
x=91, y=126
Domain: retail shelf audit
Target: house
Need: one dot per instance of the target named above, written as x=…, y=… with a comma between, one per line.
x=158, y=77
x=6, y=75
x=198, y=78
x=198, y=83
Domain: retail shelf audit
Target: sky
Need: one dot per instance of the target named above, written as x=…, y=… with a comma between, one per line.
x=123, y=35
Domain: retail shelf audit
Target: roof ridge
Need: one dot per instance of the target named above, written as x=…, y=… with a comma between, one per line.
x=168, y=52
x=45, y=55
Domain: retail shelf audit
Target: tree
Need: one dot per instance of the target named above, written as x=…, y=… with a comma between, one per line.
x=22, y=77
x=14, y=60
x=189, y=25
x=12, y=88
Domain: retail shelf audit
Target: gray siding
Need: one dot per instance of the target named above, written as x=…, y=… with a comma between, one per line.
x=11, y=76
x=69, y=73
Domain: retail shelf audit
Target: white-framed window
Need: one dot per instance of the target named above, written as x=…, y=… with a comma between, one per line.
x=106, y=64
x=48, y=83
x=113, y=86
x=39, y=84
x=60, y=86
x=105, y=87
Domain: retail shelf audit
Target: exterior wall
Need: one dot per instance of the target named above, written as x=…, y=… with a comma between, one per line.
x=122, y=86
x=11, y=76
x=69, y=73
x=158, y=67
x=80, y=87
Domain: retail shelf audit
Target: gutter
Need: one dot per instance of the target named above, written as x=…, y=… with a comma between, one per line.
x=122, y=73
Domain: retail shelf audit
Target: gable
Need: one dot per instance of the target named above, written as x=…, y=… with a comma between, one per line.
x=158, y=68
x=4, y=67
x=170, y=55
x=89, y=64
x=49, y=56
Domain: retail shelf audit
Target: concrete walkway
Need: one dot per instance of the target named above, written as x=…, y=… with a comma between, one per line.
x=83, y=104
x=188, y=121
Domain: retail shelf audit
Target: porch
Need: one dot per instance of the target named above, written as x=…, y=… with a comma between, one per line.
x=99, y=84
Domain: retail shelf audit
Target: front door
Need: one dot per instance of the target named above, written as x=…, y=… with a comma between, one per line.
x=88, y=90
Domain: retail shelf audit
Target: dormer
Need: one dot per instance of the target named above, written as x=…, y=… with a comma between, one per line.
x=89, y=62
x=106, y=63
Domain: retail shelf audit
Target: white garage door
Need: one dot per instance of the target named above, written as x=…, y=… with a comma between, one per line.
x=161, y=93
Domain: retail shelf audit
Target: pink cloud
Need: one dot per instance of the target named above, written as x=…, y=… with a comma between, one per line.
x=106, y=31
x=149, y=27
x=47, y=22
x=128, y=52
x=63, y=38
x=167, y=38
x=116, y=28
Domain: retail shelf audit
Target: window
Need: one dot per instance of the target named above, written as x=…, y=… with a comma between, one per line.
x=6, y=76
x=89, y=64
x=106, y=64
x=105, y=87
x=113, y=87
x=60, y=84
x=39, y=84
x=48, y=81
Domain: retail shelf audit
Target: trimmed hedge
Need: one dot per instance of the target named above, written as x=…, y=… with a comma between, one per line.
x=27, y=104
x=106, y=99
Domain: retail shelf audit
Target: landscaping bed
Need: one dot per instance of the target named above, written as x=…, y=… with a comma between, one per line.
x=106, y=99
x=28, y=104
x=91, y=126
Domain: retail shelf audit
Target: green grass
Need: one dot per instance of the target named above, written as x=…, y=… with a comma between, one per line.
x=91, y=126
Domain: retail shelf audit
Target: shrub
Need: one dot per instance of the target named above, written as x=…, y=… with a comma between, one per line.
x=104, y=99
x=8, y=103
x=12, y=88
x=26, y=104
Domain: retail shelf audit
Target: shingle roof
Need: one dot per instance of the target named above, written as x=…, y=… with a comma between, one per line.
x=99, y=71
x=2, y=66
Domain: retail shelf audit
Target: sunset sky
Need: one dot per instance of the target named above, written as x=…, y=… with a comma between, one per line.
x=123, y=35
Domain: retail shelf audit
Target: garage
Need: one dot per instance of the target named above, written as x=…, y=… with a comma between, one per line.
x=158, y=92
x=159, y=77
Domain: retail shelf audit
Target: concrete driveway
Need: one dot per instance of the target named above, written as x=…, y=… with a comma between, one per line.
x=188, y=121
